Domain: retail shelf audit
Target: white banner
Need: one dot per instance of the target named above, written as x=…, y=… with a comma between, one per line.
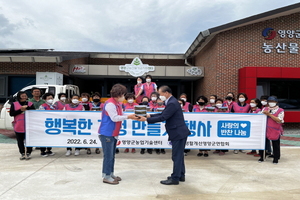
x=208, y=130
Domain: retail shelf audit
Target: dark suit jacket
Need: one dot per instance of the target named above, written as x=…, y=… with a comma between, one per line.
x=172, y=114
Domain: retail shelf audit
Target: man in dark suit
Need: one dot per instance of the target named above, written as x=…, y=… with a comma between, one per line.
x=177, y=131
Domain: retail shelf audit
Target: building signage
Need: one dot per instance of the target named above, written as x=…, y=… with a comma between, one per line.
x=194, y=71
x=78, y=69
x=292, y=47
x=136, y=68
x=208, y=130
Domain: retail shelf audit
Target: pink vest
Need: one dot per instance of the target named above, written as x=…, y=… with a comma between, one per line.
x=226, y=104
x=137, y=88
x=257, y=110
x=196, y=108
x=274, y=129
x=153, y=106
x=19, y=120
x=241, y=109
x=59, y=105
x=148, y=89
x=186, y=107
x=68, y=107
x=129, y=106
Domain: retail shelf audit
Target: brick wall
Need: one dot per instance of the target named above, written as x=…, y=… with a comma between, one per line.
x=242, y=47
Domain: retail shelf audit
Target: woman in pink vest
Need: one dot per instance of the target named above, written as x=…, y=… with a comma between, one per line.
x=48, y=105
x=138, y=90
x=148, y=87
x=153, y=101
x=109, y=130
x=212, y=101
x=129, y=106
x=274, y=127
x=75, y=105
x=85, y=101
x=200, y=105
x=240, y=107
x=17, y=110
x=255, y=108
x=187, y=106
x=62, y=101
x=230, y=100
x=264, y=103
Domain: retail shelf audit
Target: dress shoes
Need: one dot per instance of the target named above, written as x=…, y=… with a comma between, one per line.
x=182, y=179
x=114, y=182
x=169, y=182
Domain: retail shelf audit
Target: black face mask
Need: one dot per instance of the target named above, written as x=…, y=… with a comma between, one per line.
x=144, y=103
x=229, y=98
x=96, y=100
x=201, y=103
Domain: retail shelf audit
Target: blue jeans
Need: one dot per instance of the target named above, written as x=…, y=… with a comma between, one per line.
x=109, y=150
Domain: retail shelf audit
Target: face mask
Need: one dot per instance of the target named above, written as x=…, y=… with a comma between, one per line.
x=200, y=103
x=219, y=105
x=163, y=98
x=121, y=99
x=184, y=99
x=139, y=82
x=241, y=99
x=264, y=103
x=130, y=100
x=153, y=98
x=253, y=105
x=75, y=101
x=50, y=101
x=144, y=103
x=160, y=103
x=148, y=80
x=84, y=99
x=96, y=100
x=63, y=98
x=212, y=101
x=229, y=98
x=272, y=105
x=181, y=105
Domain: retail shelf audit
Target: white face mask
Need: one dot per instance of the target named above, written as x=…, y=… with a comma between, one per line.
x=75, y=101
x=241, y=99
x=181, y=105
x=130, y=100
x=84, y=99
x=153, y=98
x=219, y=105
x=163, y=98
x=50, y=101
x=264, y=103
x=212, y=101
x=271, y=104
x=63, y=98
x=121, y=99
x=139, y=82
x=148, y=80
x=253, y=105
x=184, y=99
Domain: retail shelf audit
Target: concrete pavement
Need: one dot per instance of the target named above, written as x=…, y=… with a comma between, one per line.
x=233, y=176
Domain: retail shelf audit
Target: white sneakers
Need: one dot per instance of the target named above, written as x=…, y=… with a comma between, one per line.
x=76, y=153
x=236, y=151
x=69, y=152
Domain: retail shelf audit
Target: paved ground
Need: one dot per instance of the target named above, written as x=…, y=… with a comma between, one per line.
x=233, y=176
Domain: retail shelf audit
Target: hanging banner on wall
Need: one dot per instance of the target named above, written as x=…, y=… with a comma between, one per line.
x=208, y=130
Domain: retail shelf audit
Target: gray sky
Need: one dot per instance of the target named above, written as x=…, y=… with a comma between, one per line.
x=146, y=26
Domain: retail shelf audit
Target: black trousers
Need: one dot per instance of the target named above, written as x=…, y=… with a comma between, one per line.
x=43, y=149
x=21, y=146
x=178, y=158
x=276, y=149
